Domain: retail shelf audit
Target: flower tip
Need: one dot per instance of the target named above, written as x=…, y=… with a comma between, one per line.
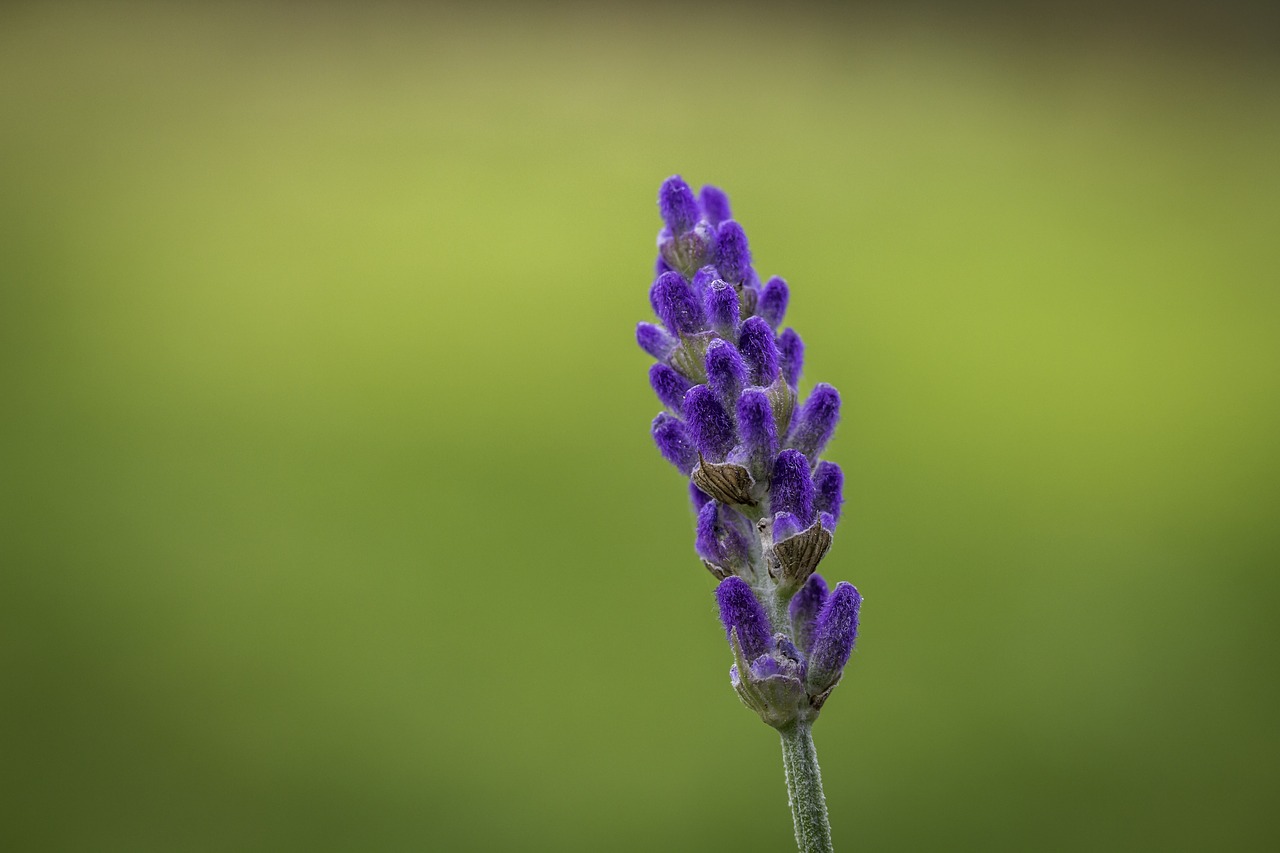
x=677, y=205
x=715, y=204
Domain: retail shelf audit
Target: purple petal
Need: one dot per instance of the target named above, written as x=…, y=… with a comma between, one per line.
x=828, y=487
x=804, y=609
x=715, y=204
x=726, y=372
x=785, y=525
x=739, y=609
x=816, y=421
x=722, y=309
x=834, y=635
x=773, y=301
x=791, y=356
x=677, y=205
x=669, y=386
x=733, y=255
x=674, y=443
x=709, y=424
x=765, y=666
x=680, y=310
x=757, y=429
x=699, y=497
x=759, y=351
x=791, y=487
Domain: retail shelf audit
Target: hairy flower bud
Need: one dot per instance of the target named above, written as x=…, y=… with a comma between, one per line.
x=709, y=423
x=680, y=311
x=677, y=205
x=740, y=611
x=833, y=637
x=759, y=351
x=669, y=386
x=790, y=356
x=715, y=204
x=828, y=488
x=804, y=609
x=791, y=487
x=773, y=301
x=674, y=443
x=722, y=309
x=733, y=255
x=655, y=341
x=758, y=430
x=816, y=421
x=723, y=538
x=726, y=372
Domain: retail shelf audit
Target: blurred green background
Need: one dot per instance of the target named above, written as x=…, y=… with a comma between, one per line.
x=330, y=516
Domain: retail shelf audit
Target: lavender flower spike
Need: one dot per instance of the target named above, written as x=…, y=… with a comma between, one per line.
x=766, y=503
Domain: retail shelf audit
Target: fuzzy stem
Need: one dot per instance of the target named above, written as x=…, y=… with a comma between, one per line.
x=804, y=789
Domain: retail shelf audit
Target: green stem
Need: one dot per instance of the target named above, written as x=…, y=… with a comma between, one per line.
x=804, y=789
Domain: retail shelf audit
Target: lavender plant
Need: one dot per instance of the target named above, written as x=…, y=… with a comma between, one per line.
x=766, y=505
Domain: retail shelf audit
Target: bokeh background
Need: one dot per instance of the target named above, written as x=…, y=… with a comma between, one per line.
x=330, y=516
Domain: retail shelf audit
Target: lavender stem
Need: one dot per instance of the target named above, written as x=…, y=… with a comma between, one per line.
x=804, y=789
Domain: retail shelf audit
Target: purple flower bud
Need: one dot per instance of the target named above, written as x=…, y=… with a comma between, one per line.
x=791, y=488
x=828, y=487
x=699, y=497
x=759, y=351
x=655, y=341
x=733, y=255
x=804, y=609
x=828, y=521
x=833, y=637
x=709, y=424
x=702, y=279
x=707, y=543
x=765, y=666
x=816, y=421
x=715, y=204
x=673, y=442
x=740, y=610
x=785, y=525
x=757, y=430
x=660, y=266
x=680, y=311
x=677, y=205
x=721, y=538
x=669, y=386
x=773, y=301
x=722, y=309
x=791, y=356
x=726, y=372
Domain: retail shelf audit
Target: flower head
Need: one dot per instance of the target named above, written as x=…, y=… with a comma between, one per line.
x=766, y=504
